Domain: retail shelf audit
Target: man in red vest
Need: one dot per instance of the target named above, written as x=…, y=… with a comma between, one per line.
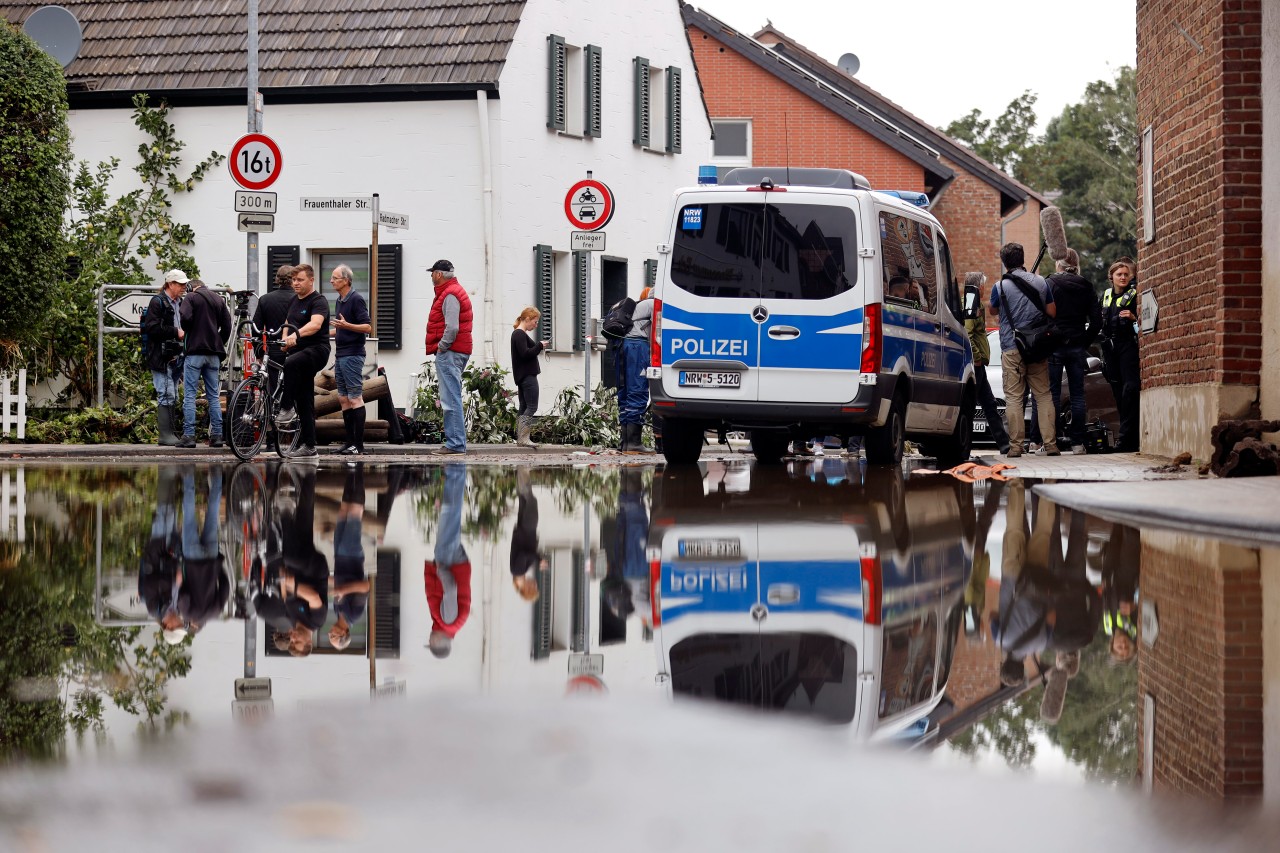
x=449, y=340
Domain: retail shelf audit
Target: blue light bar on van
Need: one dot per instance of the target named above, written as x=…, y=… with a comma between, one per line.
x=707, y=175
x=918, y=199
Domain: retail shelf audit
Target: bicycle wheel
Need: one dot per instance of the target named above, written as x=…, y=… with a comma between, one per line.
x=247, y=516
x=247, y=418
x=287, y=439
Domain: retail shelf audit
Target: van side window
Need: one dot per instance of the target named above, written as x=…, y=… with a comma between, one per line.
x=908, y=250
x=950, y=286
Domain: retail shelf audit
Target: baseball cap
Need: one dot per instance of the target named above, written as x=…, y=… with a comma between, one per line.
x=176, y=275
x=441, y=265
x=175, y=635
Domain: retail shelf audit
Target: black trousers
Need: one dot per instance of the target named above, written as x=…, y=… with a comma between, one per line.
x=528, y=395
x=1124, y=374
x=300, y=369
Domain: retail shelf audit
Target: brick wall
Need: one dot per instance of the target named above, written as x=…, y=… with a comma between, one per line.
x=1205, y=669
x=1205, y=108
x=788, y=127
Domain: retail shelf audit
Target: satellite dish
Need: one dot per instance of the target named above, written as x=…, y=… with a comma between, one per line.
x=849, y=64
x=57, y=31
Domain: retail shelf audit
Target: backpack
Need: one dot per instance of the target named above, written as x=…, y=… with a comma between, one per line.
x=144, y=341
x=617, y=322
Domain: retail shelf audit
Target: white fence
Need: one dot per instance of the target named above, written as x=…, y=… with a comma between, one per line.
x=13, y=506
x=15, y=404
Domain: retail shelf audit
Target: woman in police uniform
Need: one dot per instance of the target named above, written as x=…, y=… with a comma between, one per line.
x=1120, y=349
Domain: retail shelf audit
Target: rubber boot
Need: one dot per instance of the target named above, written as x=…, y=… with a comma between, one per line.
x=631, y=442
x=164, y=422
x=523, y=425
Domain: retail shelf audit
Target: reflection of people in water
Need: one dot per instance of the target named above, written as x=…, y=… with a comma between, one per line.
x=448, y=576
x=162, y=558
x=626, y=552
x=350, y=585
x=295, y=605
x=1045, y=605
x=202, y=587
x=1120, y=557
x=525, y=560
x=975, y=592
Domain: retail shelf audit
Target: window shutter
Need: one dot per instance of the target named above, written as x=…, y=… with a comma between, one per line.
x=581, y=270
x=543, y=285
x=390, y=273
x=641, y=135
x=556, y=76
x=592, y=121
x=650, y=273
x=280, y=256
x=673, y=110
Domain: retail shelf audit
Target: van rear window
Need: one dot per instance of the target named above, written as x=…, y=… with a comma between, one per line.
x=752, y=250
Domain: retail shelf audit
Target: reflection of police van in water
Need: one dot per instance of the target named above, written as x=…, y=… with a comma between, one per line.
x=838, y=600
x=774, y=315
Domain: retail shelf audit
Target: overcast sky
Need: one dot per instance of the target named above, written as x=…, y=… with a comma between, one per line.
x=939, y=59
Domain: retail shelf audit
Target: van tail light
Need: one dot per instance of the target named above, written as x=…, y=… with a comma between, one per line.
x=655, y=591
x=872, y=339
x=872, y=590
x=655, y=335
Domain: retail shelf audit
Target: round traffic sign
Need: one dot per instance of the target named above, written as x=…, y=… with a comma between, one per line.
x=589, y=205
x=255, y=161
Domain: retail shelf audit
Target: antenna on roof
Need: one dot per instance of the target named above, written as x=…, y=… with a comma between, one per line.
x=786, y=135
x=57, y=32
x=849, y=64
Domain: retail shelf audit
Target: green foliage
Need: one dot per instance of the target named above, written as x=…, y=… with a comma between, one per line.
x=133, y=424
x=35, y=157
x=574, y=421
x=125, y=240
x=490, y=416
x=1004, y=141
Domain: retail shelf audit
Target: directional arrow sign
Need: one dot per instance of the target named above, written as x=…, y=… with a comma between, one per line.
x=128, y=309
x=259, y=223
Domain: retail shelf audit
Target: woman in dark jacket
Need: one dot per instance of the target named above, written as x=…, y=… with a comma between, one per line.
x=524, y=366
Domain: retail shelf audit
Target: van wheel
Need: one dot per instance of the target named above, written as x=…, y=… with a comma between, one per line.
x=955, y=448
x=769, y=447
x=682, y=441
x=884, y=443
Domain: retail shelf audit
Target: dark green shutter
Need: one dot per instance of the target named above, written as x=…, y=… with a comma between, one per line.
x=390, y=286
x=641, y=86
x=279, y=256
x=556, y=77
x=650, y=273
x=581, y=269
x=673, y=110
x=594, y=67
x=543, y=287
x=543, y=617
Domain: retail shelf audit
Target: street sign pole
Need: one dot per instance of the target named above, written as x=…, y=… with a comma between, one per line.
x=373, y=269
x=255, y=126
x=588, y=351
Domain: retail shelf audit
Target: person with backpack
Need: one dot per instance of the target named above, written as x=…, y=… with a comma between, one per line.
x=162, y=352
x=633, y=387
x=206, y=323
x=1024, y=303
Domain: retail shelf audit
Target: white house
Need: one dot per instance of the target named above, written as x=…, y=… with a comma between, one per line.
x=473, y=119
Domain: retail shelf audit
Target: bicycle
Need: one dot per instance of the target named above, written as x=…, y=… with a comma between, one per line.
x=254, y=405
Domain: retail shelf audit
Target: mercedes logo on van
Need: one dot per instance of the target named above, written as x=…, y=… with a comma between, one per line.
x=759, y=313
x=759, y=612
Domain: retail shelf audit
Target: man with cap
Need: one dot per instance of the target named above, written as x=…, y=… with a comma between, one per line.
x=449, y=340
x=206, y=322
x=164, y=352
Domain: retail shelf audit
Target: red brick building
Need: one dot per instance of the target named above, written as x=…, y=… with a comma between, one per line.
x=773, y=102
x=1209, y=221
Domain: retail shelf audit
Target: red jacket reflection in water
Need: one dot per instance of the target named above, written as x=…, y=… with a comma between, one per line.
x=449, y=597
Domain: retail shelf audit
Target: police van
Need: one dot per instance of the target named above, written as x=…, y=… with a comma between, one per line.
x=793, y=303
x=839, y=600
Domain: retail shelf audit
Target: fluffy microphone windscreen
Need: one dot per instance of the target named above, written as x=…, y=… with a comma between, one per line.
x=1055, y=234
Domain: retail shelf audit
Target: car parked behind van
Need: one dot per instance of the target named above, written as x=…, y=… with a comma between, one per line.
x=798, y=302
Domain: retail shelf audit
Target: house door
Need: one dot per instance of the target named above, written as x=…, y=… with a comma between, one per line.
x=613, y=287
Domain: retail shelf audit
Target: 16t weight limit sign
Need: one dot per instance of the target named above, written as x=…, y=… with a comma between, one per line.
x=255, y=161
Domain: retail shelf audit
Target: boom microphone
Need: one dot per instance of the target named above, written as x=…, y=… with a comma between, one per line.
x=1055, y=234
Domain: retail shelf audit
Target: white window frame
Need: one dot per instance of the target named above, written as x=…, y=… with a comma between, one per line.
x=741, y=160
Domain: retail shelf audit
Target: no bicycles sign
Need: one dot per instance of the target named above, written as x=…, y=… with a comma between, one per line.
x=255, y=161
x=588, y=205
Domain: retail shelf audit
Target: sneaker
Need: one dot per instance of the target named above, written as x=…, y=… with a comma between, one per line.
x=216, y=441
x=1014, y=451
x=350, y=450
x=287, y=418
x=1079, y=450
x=1033, y=448
x=187, y=441
x=302, y=451
x=445, y=451
x=1048, y=450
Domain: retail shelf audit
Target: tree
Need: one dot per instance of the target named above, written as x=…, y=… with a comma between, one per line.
x=35, y=157
x=1005, y=142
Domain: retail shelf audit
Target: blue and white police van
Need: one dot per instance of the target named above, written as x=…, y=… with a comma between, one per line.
x=792, y=303
x=840, y=601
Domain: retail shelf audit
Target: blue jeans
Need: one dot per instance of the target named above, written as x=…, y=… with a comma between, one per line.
x=199, y=367
x=1075, y=361
x=449, y=367
x=200, y=542
x=166, y=383
x=633, y=388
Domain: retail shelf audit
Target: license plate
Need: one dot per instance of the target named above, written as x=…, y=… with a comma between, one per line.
x=710, y=379
x=979, y=426
x=711, y=549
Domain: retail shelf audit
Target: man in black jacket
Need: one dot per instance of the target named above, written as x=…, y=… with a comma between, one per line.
x=1078, y=322
x=164, y=353
x=206, y=322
